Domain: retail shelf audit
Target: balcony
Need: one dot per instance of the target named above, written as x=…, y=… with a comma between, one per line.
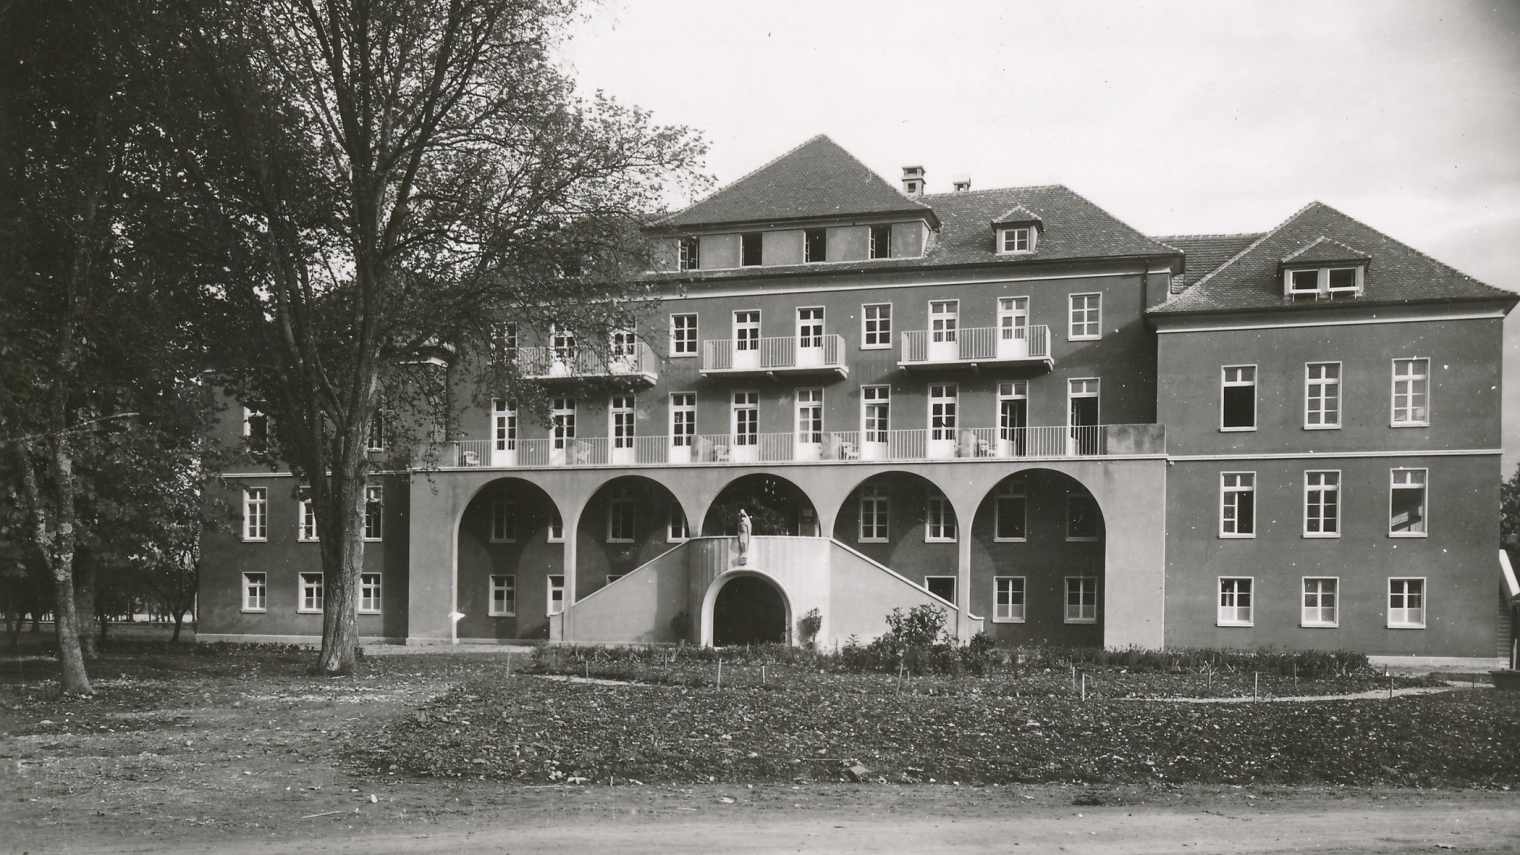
x=978, y=346
x=779, y=355
x=1047, y=443
x=638, y=363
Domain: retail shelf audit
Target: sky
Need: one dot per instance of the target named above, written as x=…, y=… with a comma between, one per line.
x=1176, y=117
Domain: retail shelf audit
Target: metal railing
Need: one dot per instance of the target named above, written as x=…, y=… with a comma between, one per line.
x=541, y=363
x=977, y=344
x=779, y=353
x=890, y=445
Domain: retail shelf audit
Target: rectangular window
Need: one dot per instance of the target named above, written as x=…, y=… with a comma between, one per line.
x=1342, y=279
x=1319, y=607
x=311, y=593
x=562, y=422
x=503, y=596
x=256, y=514
x=503, y=521
x=749, y=249
x=1322, y=395
x=369, y=593
x=941, y=586
x=1237, y=398
x=690, y=253
x=620, y=514
x=809, y=416
x=504, y=425
x=306, y=530
x=1013, y=417
x=256, y=429
x=1012, y=511
x=1406, y=603
x=563, y=340
x=881, y=241
x=873, y=513
x=1086, y=317
x=1234, y=601
x=1015, y=240
x=556, y=594
x=747, y=331
x=1008, y=599
x=556, y=529
x=815, y=245
x=676, y=527
x=942, y=401
x=504, y=342
x=939, y=525
x=255, y=591
x=1081, y=518
x=374, y=513
x=375, y=442
x=1406, y=503
x=746, y=419
x=1303, y=282
x=683, y=335
x=876, y=325
x=1411, y=392
x=1084, y=434
x=810, y=328
x=1081, y=599
x=620, y=415
x=683, y=419
x=1322, y=504
x=944, y=319
x=1237, y=504
x=875, y=413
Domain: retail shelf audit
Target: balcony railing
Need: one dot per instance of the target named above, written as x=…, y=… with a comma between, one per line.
x=978, y=345
x=552, y=363
x=776, y=355
x=892, y=445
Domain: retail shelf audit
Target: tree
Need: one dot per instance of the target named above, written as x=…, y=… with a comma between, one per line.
x=389, y=182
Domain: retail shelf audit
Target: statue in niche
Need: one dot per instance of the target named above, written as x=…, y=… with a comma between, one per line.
x=744, y=530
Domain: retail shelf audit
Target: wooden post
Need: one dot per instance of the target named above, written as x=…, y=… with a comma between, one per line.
x=1255, y=686
x=720, y=675
x=1084, y=685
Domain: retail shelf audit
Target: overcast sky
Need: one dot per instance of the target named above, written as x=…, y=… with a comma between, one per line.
x=1176, y=117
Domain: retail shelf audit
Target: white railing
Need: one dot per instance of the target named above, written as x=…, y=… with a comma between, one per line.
x=890, y=445
x=779, y=353
x=977, y=344
x=541, y=363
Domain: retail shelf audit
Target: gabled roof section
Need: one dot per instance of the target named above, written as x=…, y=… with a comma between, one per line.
x=1016, y=214
x=816, y=179
x=1251, y=279
x=1070, y=227
x=1324, y=249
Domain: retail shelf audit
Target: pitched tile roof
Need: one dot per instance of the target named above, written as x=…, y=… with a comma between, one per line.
x=1205, y=253
x=1396, y=272
x=1324, y=249
x=815, y=179
x=1017, y=214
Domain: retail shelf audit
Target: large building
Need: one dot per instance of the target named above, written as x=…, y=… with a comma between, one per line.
x=1006, y=403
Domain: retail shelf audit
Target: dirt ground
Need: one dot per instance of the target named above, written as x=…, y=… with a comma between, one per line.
x=188, y=760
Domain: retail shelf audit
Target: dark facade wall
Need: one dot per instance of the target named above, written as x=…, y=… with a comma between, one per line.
x=1465, y=357
x=531, y=558
x=598, y=556
x=1457, y=559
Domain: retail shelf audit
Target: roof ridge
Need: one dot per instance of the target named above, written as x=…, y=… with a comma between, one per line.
x=1321, y=240
x=1429, y=258
x=721, y=187
x=956, y=193
x=1214, y=235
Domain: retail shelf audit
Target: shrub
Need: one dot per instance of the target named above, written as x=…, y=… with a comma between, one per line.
x=809, y=625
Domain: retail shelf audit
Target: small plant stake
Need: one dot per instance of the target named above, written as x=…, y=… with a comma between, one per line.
x=762, y=675
x=1295, y=675
x=1255, y=686
x=720, y=675
x=1084, y=685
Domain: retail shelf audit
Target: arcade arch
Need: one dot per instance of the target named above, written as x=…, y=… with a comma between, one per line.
x=510, y=558
x=626, y=523
x=775, y=506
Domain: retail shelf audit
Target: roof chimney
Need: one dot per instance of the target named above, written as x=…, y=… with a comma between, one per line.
x=913, y=181
x=962, y=183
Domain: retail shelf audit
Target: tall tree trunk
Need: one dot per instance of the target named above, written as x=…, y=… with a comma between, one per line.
x=179, y=620
x=343, y=551
x=84, y=603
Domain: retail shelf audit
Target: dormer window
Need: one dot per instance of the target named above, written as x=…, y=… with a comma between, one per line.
x=749, y=249
x=881, y=241
x=815, y=246
x=1016, y=239
x=1324, y=282
x=691, y=255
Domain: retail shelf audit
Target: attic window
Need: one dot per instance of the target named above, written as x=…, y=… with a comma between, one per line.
x=1016, y=240
x=691, y=256
x=1324, y=282
x=749, y=249
x=816, y=246
x=881, y=241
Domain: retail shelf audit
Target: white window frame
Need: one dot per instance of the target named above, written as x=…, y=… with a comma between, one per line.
x=1009, y=238
x=688, y=253
x=1004, y=609
x=1081, y=607
x=749, y=404
x=683, y=431
x=746, y=325
x=1323, y=487
x=623, y=408
x=1227, y=601
x=807, y=414
x=503, y=425
x=940, y=524
x=1010, y=490
x=503, y=521
x=1409, y=420
x=375, y=441
x=552, y=605
x=1070, y=538
x=1071, y=317
x=1322, y=281
x=954, y=583
x=1318, y=619
x=875, y=395
x=369, y=593
x=1424, y=485
x=1232, y=485
x=1424, y=595
x=306, y=520
x=310, y=592
x=562, y=412
x=374, y=513
x=255, y=514
x=878, y=498
x=882, y=333
x=799, y=323
x=677, y=527
x=249, y=414
x=1226, y=383
x=622, y=510
x=679, y=333
x=506, y=585
x=1324, y=384
x=555, y=532
x=949, y=415
x=255, y=592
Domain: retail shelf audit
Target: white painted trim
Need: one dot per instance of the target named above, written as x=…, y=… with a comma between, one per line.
x=1327, y=455
x=813, y=289
x=1302, y=593
x=1341, y=323
x=1219, y=607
